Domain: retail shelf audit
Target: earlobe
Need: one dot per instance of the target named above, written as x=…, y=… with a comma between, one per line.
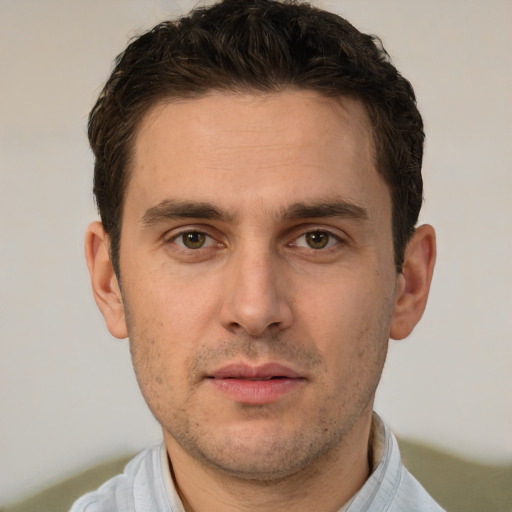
x=414, y=282
x=105, y=287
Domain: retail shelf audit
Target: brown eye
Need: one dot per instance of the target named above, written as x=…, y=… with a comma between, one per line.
x=317, y=239
x=193, y=239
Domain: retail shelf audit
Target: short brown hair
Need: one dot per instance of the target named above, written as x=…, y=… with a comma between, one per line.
x=267, y=46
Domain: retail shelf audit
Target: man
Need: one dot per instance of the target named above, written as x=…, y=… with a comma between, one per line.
x=258, y=177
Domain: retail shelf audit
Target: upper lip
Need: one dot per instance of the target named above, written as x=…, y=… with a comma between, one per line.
x=254, y=372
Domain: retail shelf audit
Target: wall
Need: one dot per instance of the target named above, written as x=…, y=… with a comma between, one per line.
x=67, y=394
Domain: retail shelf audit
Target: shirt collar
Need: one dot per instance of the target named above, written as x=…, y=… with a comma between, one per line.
x=380, y=488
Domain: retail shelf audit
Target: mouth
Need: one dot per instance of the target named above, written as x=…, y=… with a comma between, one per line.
x=267, y=371
x=256, y=385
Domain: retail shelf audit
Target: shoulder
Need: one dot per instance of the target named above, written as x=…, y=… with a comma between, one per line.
x=122, y=492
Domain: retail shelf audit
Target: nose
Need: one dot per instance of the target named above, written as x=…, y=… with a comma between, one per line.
x=255, y=297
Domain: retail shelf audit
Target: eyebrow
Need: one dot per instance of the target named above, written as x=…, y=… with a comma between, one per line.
x=325, y=209
x=171, y=209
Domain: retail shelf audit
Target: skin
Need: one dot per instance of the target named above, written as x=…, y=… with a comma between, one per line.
x=229, y=255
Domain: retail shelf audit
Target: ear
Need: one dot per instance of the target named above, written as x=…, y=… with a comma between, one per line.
x=105, y=287
x=414, y=282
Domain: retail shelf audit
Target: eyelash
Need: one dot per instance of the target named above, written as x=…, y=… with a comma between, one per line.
x=331, y=241
x=174, y=239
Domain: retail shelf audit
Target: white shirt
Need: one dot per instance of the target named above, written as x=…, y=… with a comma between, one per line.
x=146, y=484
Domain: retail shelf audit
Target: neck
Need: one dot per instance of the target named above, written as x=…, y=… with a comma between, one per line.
x=326, y=485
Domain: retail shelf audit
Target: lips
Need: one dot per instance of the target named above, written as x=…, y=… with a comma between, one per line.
x=256, y=385
x=264, y=372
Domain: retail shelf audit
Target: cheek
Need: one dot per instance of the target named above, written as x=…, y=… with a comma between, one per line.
x=172, y=304
x=158, y=363
x=167, y=320
x=348, y=322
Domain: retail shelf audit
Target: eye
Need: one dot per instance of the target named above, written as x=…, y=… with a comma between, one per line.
x=193, y=240
x=317, y=239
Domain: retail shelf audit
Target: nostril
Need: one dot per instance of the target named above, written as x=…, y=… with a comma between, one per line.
x=254, y=317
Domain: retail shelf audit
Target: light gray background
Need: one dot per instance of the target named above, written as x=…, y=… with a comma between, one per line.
x=67, y=394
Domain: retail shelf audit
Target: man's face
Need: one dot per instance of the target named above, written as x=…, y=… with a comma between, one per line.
x=258, y=276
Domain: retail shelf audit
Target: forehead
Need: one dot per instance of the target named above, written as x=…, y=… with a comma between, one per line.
x=290, y=146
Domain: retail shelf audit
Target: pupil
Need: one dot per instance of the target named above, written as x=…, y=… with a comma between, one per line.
x=317, y=239
x=194, y=240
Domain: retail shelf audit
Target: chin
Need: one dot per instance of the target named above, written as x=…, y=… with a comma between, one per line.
x=265, y=455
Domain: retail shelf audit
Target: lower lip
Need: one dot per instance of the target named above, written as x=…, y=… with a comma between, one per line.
x=256, y=392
